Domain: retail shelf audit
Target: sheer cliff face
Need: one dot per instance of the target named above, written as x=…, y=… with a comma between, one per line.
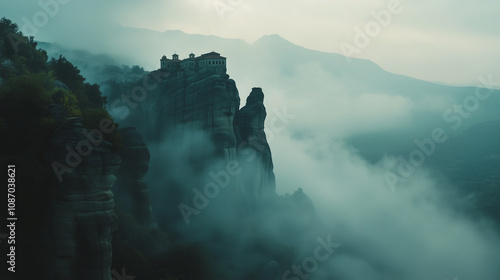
x=210, y=103
x=205, y=102
x=196, y=123
x=81, y=219
x=131, y=191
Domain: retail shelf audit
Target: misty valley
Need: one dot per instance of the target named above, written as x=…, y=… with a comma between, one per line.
x=226, y=160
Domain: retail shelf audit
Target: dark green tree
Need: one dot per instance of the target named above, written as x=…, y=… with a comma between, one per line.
x=20, y=49
x=66, y=72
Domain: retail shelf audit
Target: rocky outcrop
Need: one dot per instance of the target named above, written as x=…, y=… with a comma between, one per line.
x=81, y=218
x=206, y=102
x=258, y=166
x=199, y=115
x=132, y=194
x=212, y=172
x=192, y=117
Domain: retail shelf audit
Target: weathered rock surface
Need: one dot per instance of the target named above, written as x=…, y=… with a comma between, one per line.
x=206, y=102
x=198, y=116
x=132, y=193
x=81, y=218
x=191, y=116
x=212, y=171
x=249, y=126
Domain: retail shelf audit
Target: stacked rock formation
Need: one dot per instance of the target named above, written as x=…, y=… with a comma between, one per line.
x=199, y=116
x=249, y=126
x=193, y=116
x=81, y=216
x=132, y=194
x=206, y=102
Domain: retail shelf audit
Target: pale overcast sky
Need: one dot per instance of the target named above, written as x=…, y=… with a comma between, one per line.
x=446, y=41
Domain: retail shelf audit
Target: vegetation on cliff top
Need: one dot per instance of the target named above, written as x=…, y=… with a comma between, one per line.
x=30, y=84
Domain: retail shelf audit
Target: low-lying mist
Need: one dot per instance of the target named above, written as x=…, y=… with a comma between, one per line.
x=415, y=229
x=351, y=125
